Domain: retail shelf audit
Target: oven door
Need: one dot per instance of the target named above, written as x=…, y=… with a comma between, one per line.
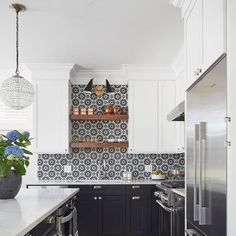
x=166, y=219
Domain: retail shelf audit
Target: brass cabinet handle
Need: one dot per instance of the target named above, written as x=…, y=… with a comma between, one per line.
x=97, y=187
x=136, y=198
x=135, y=186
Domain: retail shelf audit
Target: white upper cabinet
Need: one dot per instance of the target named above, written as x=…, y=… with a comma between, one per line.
x=149, y=103
x=205, y=37
x=180, y=88
x=214, y=31
x=51, y=109
x=142, y=116
x=193, y=41
x=166, y=129
x=180, y=127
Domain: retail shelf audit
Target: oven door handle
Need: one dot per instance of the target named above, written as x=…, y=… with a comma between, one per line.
x=66, y=218
x=169, y=209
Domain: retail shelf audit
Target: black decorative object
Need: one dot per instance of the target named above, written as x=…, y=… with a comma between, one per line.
x=10, y=185
x=89, y=87
x=109, y=89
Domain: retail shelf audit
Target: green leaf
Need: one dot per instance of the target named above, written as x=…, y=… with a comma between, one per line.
x=20, y=169
x=28, y=143
x=4, y=169
x=27, y=152
x=26, y=163
x=19, y=144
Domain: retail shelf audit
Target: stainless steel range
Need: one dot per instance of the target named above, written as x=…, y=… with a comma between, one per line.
x=171, y=209
x=164, y=193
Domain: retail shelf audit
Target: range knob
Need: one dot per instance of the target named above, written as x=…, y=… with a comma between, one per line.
x=164, y=198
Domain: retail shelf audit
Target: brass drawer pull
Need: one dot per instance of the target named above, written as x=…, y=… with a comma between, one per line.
x=97, y=187
x=136, y=198
x=135, y=187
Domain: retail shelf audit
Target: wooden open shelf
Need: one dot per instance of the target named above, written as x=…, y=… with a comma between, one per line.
x=98, y=145
x=99, y=117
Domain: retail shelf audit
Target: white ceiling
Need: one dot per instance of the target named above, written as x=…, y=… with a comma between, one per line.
x=95, y=34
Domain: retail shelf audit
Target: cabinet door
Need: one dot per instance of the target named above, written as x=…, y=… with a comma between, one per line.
x=166, y=129
x=143, y=116
x=180, y=88
x=87, y=215
x=51, y=123
x=214, y=31
x=136, y=215
x=111, y=215
x=180, y=96
x=193, y=41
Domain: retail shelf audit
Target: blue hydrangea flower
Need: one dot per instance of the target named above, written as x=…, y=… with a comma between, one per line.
x=12, y=135
x=13, y=150
x=26, y=134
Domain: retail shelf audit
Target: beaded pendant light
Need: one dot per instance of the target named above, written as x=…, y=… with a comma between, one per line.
x=16, y=92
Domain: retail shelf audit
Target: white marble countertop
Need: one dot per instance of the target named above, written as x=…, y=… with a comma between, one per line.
x=30, y=207
x=92, y=182
x=179, y=191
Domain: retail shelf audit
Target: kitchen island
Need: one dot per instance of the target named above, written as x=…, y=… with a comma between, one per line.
x=30, y=207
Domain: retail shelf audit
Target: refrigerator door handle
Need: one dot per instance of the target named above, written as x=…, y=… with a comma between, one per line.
x=196, y=151
x=202, y=159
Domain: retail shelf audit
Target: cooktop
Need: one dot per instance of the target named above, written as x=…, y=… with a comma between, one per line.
x=173, y=184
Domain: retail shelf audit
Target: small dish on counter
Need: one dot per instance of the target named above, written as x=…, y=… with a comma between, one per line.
x=158, y=177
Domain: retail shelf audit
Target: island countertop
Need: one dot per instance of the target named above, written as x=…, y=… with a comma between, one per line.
x=30, y=207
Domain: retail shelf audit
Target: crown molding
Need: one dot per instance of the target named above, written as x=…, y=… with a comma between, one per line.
x=122, y=76
x=177, y=3
x=82, y=76
x=43, y=71
x=145, y=68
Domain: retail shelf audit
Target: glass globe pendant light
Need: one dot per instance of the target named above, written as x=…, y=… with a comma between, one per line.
x=16, y=92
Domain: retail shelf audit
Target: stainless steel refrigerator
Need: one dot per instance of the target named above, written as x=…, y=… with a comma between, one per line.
x=206, y=153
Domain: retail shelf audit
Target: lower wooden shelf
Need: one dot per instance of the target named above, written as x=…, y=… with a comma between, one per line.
x=98, y=145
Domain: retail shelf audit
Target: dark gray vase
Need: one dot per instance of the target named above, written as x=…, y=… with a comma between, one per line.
x=10, y=185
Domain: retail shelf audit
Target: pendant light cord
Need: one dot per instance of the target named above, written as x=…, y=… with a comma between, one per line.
x=17, y=44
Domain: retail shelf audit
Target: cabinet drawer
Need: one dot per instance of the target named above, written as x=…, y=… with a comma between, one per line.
x=101, y=189
x=137, y=189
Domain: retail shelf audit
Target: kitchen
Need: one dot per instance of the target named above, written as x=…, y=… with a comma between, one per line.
x=135, y=136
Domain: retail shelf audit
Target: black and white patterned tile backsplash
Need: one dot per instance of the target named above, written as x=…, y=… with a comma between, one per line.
x=85, y=161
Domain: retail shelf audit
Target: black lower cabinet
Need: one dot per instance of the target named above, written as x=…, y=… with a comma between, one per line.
x=111, y=216
x=87, y=215
x=117, y=211
x=136, y=215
